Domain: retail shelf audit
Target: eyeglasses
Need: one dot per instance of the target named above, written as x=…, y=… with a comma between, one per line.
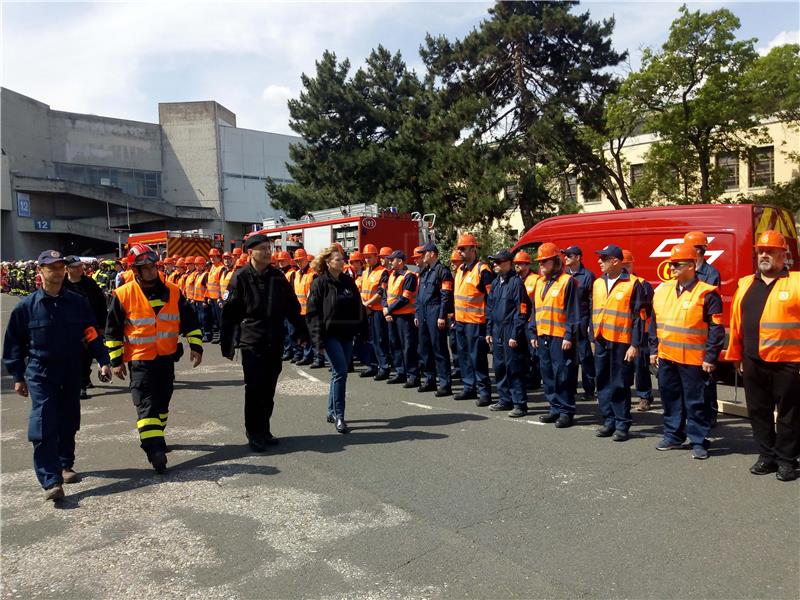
x=679, y=265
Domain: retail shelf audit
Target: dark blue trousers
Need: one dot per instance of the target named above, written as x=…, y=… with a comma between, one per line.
x=380, y=338
x=614, y=379
x=215, y=316
x=453, y=340
x=54, y=419
x=202, y=310
x=473, y=354
x=686, y=414
x=644, y=384
x=559, y=374
x=585, y=358
x=404, y=343
x=509, y=372
x=433, y=348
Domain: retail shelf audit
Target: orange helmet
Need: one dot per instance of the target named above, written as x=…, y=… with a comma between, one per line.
x=200, y=261
x=169, y=260
x=281, y=255
x=466, y=239
x=772, y=239
x=300, y=253
x=190, y=259
x=214, y=252
x=456, y=257
x=682, y=252
x=181, y=262
x=310, y=257
x=522, y=258
x=627, y=256
x=370, y=249
x=385, y=252
x=417, y=252
x=695, y=238
x=242, y=261
x=356, y=256
x=546, y=251
x=237, y=251
x=227, y=255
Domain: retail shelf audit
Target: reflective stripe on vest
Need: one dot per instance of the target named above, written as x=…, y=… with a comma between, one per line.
x=373, y=283
x=470, y=302
x=395, y=290
x=224, y=281
x=188, y=285
x=302, y=285
x=146, y=334
x=214, y=276
x=200, y=286
x=551, y=311
x=611, y=316
x=682, y=333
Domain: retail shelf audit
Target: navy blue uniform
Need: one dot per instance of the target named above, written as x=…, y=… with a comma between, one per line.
x=43, y=347
x=643, y=382
x=585, y=279
x=507, y=309
x=710, y=275
x=472, y=347
x=434, y=302
x=402, y=332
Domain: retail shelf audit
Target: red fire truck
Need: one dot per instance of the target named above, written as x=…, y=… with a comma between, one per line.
x=353, y=227
x=169, y=243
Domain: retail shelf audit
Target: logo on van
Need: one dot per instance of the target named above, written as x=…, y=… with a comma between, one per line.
x=369, y=223
x=663, y=250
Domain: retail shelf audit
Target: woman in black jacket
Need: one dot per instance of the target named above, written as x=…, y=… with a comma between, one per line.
x=335, y=315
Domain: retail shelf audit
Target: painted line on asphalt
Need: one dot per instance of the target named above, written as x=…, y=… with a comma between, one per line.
x=425, y=406
x=307, y=376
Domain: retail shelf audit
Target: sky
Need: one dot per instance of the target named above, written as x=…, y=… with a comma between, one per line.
x=121, y=59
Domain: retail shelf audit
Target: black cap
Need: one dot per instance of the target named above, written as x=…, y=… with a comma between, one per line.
x=572, y=250
x=72, y=260
x=48, y=257
x=398, y=254
x=502, y=256
x=610, y=250
x=430, y=247
x=255, y=240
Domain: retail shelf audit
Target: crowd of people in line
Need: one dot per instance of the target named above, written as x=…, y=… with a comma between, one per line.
x=419, y=328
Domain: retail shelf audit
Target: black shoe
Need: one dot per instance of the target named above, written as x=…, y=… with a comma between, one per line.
x=286, y=356
x=304, y=362
x=620, y=436
x=428, y=386
x=564, y=421
x=499, y=406
x=341, y=426
x=382, y=376
x=159, y=461
x=483, y=401
x=330, y=419
x=397, y=379
x=411, y=383
x=604, y=431
x=442, y=392
x=763, y=467
x=368, y=373
x=167, y=449
x=256, y=443
x=466, y=395
x=786, y=473
x=84, y=394
x=271, y=440
x=293, y=360
x=455, y=375
x=588, y=396
x=713, y=422
x=89, y=385
x=517, y=412
x=351, y=368
x=548, y=418
x=318, y=364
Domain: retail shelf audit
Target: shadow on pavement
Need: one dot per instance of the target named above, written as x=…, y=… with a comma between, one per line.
x=425, y=420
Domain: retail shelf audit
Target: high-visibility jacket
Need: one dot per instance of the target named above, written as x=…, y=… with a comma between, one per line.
x=225, y=281
x=214, y=275
x=682, y=332
x=470, y=302
x=180, y=281
x=148, y=335
x=289, y=273
x=551, y=307
x=370, y=285
x=302, y=285
x=779, y=327
x=611, y=313
x=394, y=290
x=128, y=276
x=188, y=285
x=200, y=286
x=530, y=283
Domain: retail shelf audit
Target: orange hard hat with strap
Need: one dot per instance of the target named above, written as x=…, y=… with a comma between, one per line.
x=695, y=238
x=456, y=256
x=385, y=252
x=682, y=252
x=522, y=257
x=465, y=240
x=370, y=249
x=546, y=251
x=772, y=239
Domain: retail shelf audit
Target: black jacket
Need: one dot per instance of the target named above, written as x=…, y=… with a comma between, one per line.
x=258, y=303
x=88, y=288
x=322, y=299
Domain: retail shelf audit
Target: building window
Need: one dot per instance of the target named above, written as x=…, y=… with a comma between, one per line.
x=637, y=172
x=762, y=167
x=570, y=188
x=728, y=163
x=142, y=184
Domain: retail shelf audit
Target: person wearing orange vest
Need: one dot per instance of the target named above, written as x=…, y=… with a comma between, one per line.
x=373, y=281
x=556, y=316
x=213, y=292
x=188, y=281
x=399, y=308
x=228, y=269
x=618, y=316
x=302, y=284
x=145, y=320
x=180, y=273
x=522, y=265
x=643, y=384
x=456, y=260
x=169, y=268
x=573, y=264
x=686, y=337
x=201, y=305
x=765, y=345
x=473, y=281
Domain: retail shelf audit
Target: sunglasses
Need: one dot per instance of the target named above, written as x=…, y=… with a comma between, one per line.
x=679, y=265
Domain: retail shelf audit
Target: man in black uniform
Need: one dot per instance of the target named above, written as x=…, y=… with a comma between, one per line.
x=257, y=300
x=78, y=282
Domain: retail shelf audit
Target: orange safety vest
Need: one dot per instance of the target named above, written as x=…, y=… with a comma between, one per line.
x=371, y=282
x=779, y=327
x=200, y=284
x=682, y=332
x=611, y=314
x=225, y=281
x=395, y=290
x=214, y=275
x=189, y=285
x=302, y=285
x=180, y=280
x=148, y=335
x=530, y=283
x=128, y=276
x=289, y=274
x=551, y=310
x=470, y=302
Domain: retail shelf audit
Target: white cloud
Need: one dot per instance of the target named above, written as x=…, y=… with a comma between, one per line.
x=784, y=37
x=272, y=93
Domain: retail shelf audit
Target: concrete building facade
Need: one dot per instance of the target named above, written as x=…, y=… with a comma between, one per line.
x=80, y=182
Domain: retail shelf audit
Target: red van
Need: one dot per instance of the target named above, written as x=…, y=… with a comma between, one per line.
x=650, y=233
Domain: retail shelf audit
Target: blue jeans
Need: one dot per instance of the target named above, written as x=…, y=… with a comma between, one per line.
x=474, y=357
x=340, y=352
x=686, y=413
x=559, y=377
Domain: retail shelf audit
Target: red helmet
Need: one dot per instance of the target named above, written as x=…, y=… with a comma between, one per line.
x=140, y=254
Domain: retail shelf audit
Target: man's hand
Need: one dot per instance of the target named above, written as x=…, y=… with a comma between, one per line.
x=386, y=312
x=489, y=340
x=196, y=358
x=708, y=367
x=566, y=345
x=654, y=360
x=441, y=324
x=388, y=317
x=105, y=373
x=416, y=322
x=121, y=372
x=21, y=388
x=631, y=354
x=737, y=364
x=534, y=343
x=512, y=343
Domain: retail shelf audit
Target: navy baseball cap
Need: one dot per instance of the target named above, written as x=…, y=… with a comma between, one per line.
x=572, y=250
x=610, y=250
x=502, y=256
x=430, y=247
x=255, y=240
x=48, y=257
x=72, y=260
x=397, y=254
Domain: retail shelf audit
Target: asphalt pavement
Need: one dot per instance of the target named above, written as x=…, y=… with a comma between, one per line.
x=426, y=498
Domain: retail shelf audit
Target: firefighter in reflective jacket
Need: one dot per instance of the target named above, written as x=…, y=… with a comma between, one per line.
x=144, y=322
x=399, y=307
x=554, y=329
x=765, y=343
x=201, y=305
x=214, y=293
x=522, y=265
x=686, y=337
x=302, y=284
x=188, y=281
x=618, y=316
x=508, y=308
x=373, y=281
x=473, y=281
